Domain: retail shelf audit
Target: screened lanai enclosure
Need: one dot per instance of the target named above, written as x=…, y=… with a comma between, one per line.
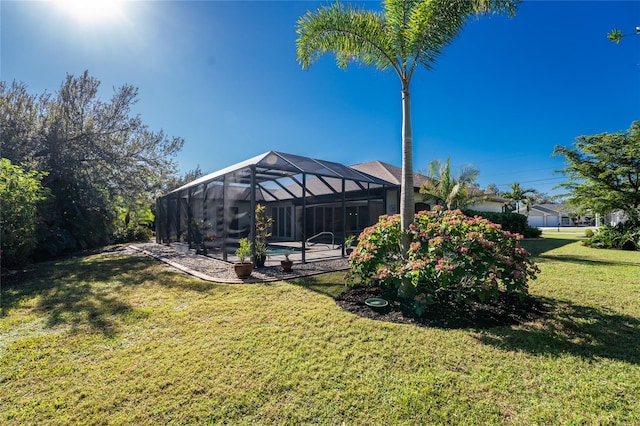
x=313, y=203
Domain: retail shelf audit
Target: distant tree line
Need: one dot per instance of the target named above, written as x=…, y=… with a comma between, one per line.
x=78, y=166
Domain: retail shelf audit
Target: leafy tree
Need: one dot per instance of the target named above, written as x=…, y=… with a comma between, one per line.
x=492, y=189
x=542, y=198
x=405, y=35
x=23, y=116
x=453, y=191
x=176, y=182
x=131, y=213
x=20, y=191
x=518, y=194
x=95, y=152
x=604, y=171
x=134, y=220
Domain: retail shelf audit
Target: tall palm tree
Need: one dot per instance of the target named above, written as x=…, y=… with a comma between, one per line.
x=519, y=194
x=406, y=34
x=453, y=191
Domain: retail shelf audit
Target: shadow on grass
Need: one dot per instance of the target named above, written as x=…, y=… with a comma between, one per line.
x=581, y=331
x=77, y=291
x=83, y=291
x=330, y=284
x=585, y=260
x=538, y=246
x=536, y=325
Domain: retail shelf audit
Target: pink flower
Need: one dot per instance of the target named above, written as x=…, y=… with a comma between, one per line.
x=383, y=273
x=523, y=251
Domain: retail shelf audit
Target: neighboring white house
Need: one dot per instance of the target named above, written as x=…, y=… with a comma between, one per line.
x=612, y=218
x=494, y=203
x=541, y=215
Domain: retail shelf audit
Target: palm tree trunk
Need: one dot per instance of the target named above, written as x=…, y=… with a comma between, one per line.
x=406, y=289
x=406, y=185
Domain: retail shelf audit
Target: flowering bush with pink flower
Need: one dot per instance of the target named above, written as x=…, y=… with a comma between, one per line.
x=450, y=254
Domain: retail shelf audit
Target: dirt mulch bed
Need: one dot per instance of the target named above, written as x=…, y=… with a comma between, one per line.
x=503, y=311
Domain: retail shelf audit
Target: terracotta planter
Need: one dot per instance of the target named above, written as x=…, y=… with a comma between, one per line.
x=243, y=270
x=286, y=265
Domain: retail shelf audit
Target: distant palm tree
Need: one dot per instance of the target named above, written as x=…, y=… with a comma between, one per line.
x=519, y=194
x=616, y=35
x=454, y=192
x=406, y=34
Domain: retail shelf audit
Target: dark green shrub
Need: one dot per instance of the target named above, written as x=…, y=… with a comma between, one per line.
x=143, y=233
x=53, y=242
x=588, y=233
x=515, y=223
x=532, y=232
x=605, y=237
x=624, y=236
x=132, y=234
x=21, y=192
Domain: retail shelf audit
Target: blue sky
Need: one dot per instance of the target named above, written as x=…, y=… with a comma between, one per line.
x=224, y=76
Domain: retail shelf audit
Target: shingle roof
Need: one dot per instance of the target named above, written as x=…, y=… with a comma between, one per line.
x=388, y=172
x=560, y=208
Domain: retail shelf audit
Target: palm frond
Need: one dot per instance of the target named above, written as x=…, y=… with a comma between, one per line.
x=434, y=24
x=352, y=34
x=452, y=190
x=406, y=34
x=467, y=174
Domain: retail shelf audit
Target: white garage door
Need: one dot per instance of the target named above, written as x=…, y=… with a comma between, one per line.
x=535, y=221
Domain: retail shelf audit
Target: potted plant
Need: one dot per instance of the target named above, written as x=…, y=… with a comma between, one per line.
x=208, y=240
x=348, y=243
x=287, y=263
x=261, y=253
x=243, y=268
x=263, y=225
x=197, y=230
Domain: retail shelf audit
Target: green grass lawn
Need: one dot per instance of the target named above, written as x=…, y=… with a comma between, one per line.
x=109, y=339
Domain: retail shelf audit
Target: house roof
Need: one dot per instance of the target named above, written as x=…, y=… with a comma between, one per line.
x=393, y=174
x=484, y=196
x=388, y=172
x=558, y=209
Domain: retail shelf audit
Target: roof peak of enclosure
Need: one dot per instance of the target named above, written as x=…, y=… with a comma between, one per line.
x=273, y=164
